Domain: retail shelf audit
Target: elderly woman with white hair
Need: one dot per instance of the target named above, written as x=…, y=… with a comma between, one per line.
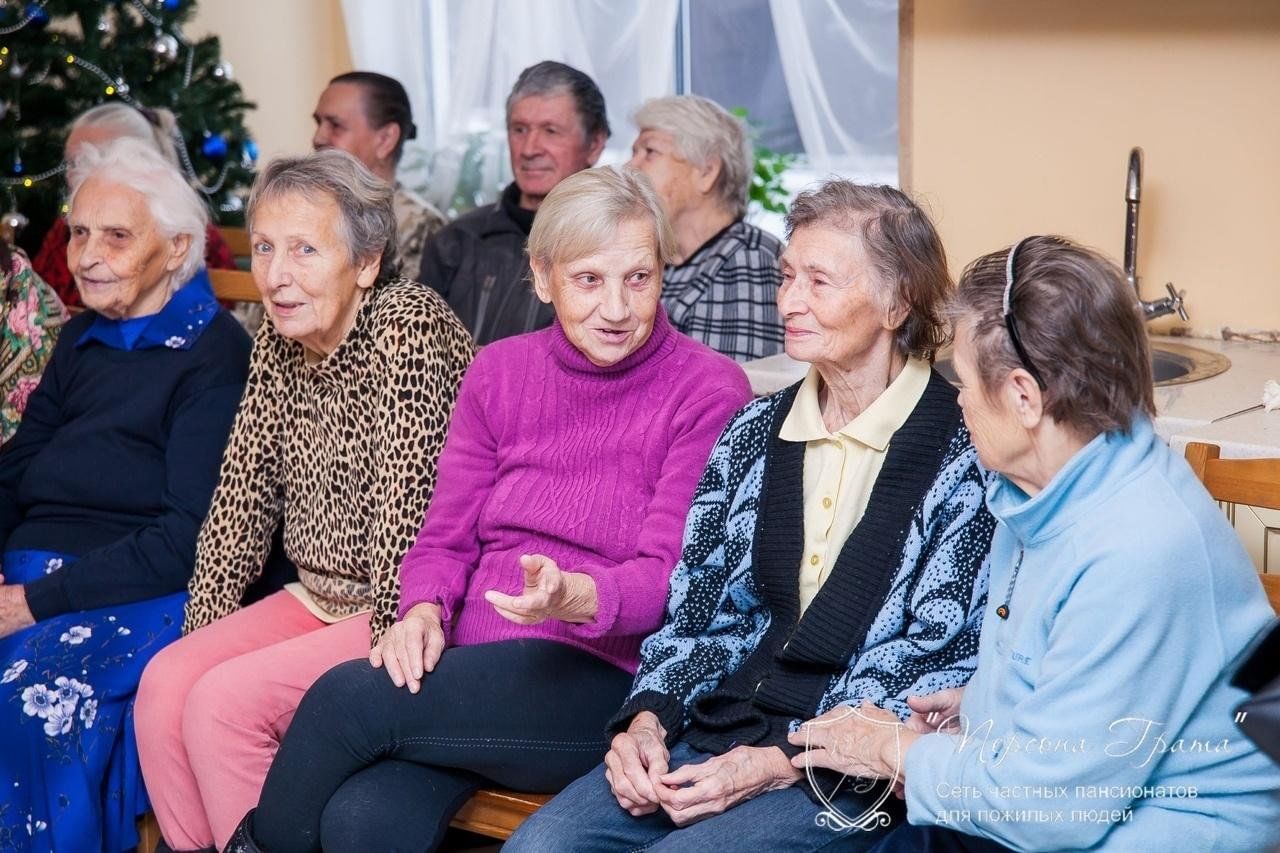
x=99, y=126
x=723, y=289
x=102, y=492
x=349, y=395
x=543, y=561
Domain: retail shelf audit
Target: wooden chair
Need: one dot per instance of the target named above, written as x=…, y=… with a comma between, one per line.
x=495, y=813
x=148, y=833
x=234, y=286
x=491, y=813
x=237, y=240
x=1252, y=482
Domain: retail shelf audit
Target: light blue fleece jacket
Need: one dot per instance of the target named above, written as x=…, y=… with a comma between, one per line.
x=1110, y=674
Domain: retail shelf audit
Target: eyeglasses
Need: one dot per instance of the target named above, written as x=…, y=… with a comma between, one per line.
x=1009, y=322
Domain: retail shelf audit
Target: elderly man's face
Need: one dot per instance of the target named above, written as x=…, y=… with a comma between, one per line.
x=680, y=184
x=547, y=145
x=606, y=302
x=832, y=307
x=310, y=287
x=341, y=123
x=123, y=264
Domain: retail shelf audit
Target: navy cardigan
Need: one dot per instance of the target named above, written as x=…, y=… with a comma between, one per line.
x=118, y=453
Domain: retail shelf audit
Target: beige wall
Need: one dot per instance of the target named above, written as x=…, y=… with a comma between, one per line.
x=283, y=53
x=1021, y=114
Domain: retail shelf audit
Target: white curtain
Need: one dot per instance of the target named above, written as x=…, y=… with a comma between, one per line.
x=459, y=58
x=840, y=62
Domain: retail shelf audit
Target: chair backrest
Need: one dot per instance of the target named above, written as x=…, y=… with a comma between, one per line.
x=234, y=286
x=237, y=240
x=1252, y=482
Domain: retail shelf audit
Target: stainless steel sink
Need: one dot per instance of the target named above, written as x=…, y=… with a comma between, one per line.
x=1171, y=364
x=1178, y=364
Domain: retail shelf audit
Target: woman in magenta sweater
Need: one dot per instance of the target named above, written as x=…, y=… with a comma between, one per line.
x=564, y=483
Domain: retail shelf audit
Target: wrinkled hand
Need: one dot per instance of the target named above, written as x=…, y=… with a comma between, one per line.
x=411, y=647
x=698, y=791
x=937, y=712
x=868, y=742
x=549, y=593
x=14, y=612
x=637, y=758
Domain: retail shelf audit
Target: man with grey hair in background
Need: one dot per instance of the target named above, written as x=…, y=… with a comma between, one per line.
x=724, y=290
x=556, y=126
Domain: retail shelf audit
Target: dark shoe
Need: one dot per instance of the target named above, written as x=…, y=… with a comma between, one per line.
x=242, y=839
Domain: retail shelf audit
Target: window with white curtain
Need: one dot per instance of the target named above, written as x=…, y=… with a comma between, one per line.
x=817, y=77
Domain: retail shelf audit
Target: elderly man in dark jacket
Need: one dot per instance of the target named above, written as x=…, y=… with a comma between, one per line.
x=556, y=126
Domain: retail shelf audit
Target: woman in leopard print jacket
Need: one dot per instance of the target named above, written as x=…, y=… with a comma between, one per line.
x=350, y=390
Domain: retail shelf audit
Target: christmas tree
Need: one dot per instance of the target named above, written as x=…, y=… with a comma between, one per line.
x=61, y=57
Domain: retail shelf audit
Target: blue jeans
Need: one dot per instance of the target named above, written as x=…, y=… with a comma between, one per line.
x=585, y=816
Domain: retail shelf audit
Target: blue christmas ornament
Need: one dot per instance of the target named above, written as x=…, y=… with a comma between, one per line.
x=251, y=150
x=172, y=5
x=39, y=17
x=214, y=146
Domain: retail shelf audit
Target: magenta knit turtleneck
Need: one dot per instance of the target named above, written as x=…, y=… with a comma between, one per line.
x=594, y=467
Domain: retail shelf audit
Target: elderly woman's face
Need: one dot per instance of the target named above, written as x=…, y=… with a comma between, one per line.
x=831, y=303
x=993, y=425
x=679, y=184
x=122, y=263
x=310, y=287
x=606, y=302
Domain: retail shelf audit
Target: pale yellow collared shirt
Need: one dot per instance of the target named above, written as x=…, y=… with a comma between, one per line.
x=841, y=468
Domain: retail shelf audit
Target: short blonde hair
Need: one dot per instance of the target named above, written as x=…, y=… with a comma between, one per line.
x=137, y=165
x=704, y=131
x=582, y=213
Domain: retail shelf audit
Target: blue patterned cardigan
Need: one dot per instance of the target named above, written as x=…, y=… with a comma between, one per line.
x=734, y=663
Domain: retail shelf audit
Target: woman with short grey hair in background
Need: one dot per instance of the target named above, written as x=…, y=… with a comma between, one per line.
x=350, y=390
x=723, y=290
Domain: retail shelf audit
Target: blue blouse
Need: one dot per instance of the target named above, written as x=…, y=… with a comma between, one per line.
x=177, y=326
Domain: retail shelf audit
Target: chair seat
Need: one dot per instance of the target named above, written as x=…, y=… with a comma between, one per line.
x=495, y=813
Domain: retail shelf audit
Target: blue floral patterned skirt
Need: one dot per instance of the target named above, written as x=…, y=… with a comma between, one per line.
x=69, y=775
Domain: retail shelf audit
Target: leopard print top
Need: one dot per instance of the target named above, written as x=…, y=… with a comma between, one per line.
x=344, y=451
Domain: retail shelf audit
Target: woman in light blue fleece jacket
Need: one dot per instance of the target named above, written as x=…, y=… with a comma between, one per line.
x=1100, y=717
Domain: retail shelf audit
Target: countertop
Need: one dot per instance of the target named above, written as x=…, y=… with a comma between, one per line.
x=1183, y=412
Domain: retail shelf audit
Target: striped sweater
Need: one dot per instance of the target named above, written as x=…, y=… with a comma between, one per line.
x=734, y=663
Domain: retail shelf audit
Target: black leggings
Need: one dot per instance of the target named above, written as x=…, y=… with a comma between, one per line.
x=367, y=765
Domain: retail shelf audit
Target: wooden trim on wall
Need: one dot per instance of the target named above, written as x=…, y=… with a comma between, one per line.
x=906, y=50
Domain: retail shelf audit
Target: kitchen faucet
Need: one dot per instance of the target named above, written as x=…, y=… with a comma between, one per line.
x=1132, y=197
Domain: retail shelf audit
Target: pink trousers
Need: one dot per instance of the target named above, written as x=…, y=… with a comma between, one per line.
x=212, y=708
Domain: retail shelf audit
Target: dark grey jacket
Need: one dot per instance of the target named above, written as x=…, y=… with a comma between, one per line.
x=478, y=264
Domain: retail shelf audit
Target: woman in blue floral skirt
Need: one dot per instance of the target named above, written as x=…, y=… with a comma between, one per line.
x=102, y=492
